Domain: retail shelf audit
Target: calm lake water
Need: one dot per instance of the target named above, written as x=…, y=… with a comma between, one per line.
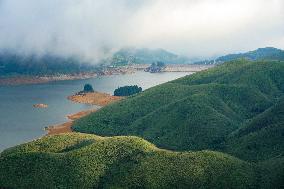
x=20, y=122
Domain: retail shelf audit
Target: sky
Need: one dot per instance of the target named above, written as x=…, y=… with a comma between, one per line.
x=94, y=29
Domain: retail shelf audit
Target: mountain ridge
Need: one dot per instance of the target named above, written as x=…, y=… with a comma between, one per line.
x=266, y=53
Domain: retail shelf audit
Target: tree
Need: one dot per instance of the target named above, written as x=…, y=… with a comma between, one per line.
x=88, y=88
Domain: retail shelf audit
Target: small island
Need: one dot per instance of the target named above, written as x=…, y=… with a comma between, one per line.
x=40, y=106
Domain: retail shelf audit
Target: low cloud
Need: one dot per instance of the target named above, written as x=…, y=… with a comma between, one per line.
x=94, y=29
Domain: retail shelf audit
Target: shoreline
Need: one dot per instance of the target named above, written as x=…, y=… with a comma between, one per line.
x=66, y=127
x=28, y=79
x=95, y=98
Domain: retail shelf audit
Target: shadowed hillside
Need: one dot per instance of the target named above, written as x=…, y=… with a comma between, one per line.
x=261, y=137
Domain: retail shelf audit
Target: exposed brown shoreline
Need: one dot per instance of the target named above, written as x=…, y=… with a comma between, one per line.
x=96, y=98
x=66, y=127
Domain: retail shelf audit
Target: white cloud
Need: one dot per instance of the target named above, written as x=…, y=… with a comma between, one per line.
x=91, y=28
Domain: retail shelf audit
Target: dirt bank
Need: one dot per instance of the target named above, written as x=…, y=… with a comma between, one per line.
x=66, y=127
x=95, y=98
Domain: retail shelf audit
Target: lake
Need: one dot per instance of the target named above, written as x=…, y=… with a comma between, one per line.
x=20, y=122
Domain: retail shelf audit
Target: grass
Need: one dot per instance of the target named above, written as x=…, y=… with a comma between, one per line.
x=87, y=161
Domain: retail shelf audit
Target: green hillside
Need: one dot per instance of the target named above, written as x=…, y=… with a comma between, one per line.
x=262, y=137
x=202, y=109
x=88, y=161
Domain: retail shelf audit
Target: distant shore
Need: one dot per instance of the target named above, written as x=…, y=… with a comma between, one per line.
x=95, y=98
x=19, y=80
x=28, y=79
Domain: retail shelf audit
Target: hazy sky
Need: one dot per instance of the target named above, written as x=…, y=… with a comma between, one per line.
x=91, y=28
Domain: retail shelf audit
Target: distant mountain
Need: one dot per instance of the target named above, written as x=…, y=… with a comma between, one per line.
x=145, y=56
x=267, y=53
x=259, y=54
x=12, y=63
x=17, y=64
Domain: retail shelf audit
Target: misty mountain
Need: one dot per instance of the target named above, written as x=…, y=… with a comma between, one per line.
x=270, y=53
x=14, y=64
x=267, y=53
x=127, y=56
